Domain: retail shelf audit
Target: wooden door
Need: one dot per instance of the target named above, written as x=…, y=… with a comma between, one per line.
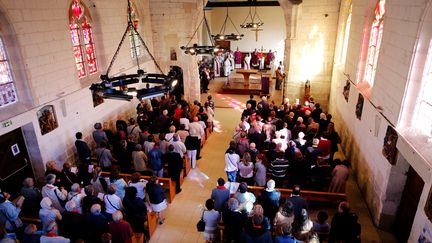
x=408, y=205
x=15, y=163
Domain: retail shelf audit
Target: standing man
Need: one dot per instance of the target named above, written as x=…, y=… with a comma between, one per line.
x=196, y=130
x=298, y=202
x=269, y=60
x=237, y=58
x=247, y=61
x=220, y=195
x=175, y=166
x=255, y=59
x=279, y=78
x=155, y=159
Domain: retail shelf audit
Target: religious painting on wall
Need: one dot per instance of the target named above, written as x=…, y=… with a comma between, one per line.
x=359, y=107
x=173, y=54
x=389, y=148
x=47, y=119
x=346, y=90
x=97, y=95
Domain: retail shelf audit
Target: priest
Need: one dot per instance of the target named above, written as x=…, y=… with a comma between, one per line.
x=238, y=58
x=269, y=60
x=255, y=59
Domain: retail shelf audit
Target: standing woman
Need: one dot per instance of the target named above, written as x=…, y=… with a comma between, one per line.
x=260, y=170
x=192, y=144
x=246, y=169
x=156, y=197
x=231, y=164
x=211, y=218
x=136, y=212
x=119, y=183
x=340, y=176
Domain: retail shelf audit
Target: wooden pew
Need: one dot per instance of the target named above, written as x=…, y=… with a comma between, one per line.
x=186, y=165
x=311, y=196
x=168, y=185
x=152, y=222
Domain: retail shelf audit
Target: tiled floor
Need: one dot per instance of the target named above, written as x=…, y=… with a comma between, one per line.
x=183, y=214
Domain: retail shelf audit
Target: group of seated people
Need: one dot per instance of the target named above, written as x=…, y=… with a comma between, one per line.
x=295, y=144
x=105, y=210
x=271, y=218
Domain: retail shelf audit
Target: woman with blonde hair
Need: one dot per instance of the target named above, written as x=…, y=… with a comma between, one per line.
x=246, y=169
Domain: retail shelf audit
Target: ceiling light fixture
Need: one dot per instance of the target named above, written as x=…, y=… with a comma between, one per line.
x=222, y=36
x=117, y=87
x=197, y=49
x=252, y=24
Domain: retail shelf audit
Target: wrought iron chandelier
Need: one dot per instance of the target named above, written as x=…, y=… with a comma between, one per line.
x=197, y=49
x=255, y=20
x=117, y=87
x=222, y=36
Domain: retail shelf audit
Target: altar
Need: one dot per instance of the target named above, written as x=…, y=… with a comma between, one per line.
x=247, y=82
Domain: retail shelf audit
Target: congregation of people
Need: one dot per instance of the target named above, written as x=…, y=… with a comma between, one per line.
x=79, y=204
x=275, y=147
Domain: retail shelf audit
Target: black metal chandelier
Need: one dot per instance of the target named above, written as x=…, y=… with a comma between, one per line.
x=117, y=87
x=255, y=20
x=222, y=36
x=197, y=49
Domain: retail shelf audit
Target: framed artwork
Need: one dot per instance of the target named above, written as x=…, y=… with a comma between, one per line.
x=389, y=148
x=346, y=90
x=173, y=54
x=359, y=106
x=97, y=95
x=47, y=119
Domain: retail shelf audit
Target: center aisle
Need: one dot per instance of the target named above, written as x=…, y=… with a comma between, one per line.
x=183, y=214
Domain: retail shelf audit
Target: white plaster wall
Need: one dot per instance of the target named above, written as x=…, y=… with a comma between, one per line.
x=273, y=34
x=362, y=142
x=43, y=37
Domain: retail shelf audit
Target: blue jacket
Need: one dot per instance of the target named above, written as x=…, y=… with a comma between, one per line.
x=155, y=158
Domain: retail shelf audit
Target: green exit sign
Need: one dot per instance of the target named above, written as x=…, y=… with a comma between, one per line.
x=7, y=123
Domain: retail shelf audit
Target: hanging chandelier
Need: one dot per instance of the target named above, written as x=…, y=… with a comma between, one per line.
x=197, y=49
x=255, y=20
x=222, y=36
x=117, y=87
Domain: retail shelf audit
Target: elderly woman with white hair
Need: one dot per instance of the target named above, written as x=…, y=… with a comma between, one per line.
x=72, y=224
x=120, y=230
x=57, y=196
x=95, y=224
x=48, y=213
x=76, y=195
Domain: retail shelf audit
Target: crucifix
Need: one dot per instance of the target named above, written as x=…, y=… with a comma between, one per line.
x=256, y=33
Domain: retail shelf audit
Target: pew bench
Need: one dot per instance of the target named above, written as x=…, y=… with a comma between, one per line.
x=168, y=185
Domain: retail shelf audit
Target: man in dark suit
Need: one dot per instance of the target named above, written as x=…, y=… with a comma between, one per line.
x=298, y=202
x=175, y=165
x=84, y=154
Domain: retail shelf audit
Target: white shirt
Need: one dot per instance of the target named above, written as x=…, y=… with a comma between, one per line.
x=112, y=203
x=140, y=186
x=196, y=130
x=231, y=162
x=185, y=122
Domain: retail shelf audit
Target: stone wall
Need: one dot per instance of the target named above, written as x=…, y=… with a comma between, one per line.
x=381, y=183
x=43, y=40
x=313, y=38
x=173, y=23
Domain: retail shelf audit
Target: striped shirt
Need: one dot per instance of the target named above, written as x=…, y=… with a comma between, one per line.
x=279, y=168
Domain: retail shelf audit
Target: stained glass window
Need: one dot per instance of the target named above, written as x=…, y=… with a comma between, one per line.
x=135, y=43
x=82, y=40
x=7, y=87
x=346, y=36
x=374, y=42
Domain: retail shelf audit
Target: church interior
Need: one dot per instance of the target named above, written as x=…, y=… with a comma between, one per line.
x=367, y=63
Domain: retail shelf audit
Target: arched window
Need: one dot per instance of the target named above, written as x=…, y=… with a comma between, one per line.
x=135, y=43
x=423, y=115
x=7, y=87
x=374, y=43
x=343, y=53
x=82, y=39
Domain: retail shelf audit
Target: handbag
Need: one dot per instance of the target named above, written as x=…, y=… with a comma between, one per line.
x=201, y=223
